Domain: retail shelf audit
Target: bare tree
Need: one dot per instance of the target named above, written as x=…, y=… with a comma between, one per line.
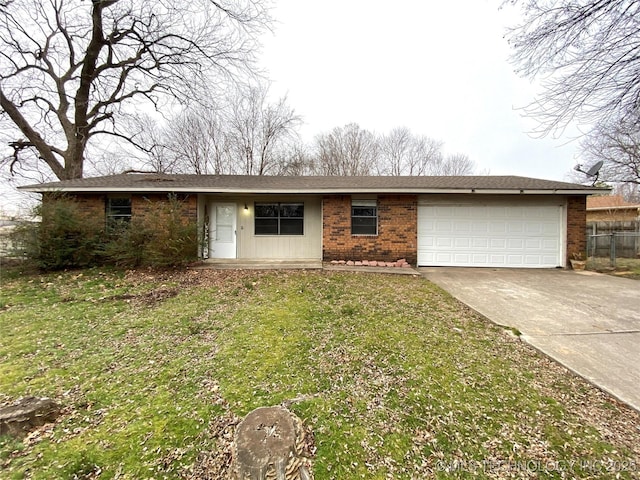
x=402, y=153
x=156, y=154
x=247, y=134
x=588, y=55
x=70, y=68
x=456, y=164
x=198, y=142
x=617, y=144
x=347, y=150
x=630, y=192
x=259, y=130
x=296, y=161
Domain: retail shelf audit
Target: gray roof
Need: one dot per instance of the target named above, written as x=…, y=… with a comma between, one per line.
x=252, y=184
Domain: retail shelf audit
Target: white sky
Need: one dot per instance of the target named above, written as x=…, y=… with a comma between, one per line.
x=439, y=68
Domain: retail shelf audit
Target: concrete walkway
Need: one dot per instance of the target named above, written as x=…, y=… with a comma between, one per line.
x=310, y=264
x=259, y=264
x=586, y=321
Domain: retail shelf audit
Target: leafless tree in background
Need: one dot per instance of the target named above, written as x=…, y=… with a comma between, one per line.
x=587, y=54
x=198, y=143
x=259, y=131
x=618, y=146
x=296, y=161
x=456, y=164
x=248, y=134
x=347, y=150
x=155, y=155
x=70, y=68
x=403, y=153
x=629, y=191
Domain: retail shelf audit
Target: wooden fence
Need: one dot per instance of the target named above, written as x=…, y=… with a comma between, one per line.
x=613, y=239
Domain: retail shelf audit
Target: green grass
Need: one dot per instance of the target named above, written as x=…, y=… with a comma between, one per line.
x=395, y=378
x=625, y=267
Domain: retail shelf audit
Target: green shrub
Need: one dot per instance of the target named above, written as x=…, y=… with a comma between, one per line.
x=69, y=238
x=160, y=238
x=175, y=239
x=65, y=237
x=125, y=243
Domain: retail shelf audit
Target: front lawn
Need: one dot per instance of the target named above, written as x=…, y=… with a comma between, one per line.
x=394, y=377
x=625, y=267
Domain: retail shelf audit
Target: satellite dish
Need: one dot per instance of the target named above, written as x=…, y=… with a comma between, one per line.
x=593, y=171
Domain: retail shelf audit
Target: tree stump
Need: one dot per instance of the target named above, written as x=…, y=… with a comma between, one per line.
x=26, y=415
x=269, y=444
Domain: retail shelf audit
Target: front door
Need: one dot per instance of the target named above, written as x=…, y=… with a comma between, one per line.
x=222, y=233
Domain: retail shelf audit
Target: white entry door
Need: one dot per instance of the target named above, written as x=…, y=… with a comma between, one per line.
x=222, y=230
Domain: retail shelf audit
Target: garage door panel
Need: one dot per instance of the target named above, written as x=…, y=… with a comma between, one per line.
x=497, y=227
x=444, y=226
x=515, y=260
x=480, y=243
x=463, y=243
x=498, y=260
x=444, y=242
x=479, y=258
x=462, y=227
x=516, y=244
x=496, y=235
x=498, y=243
x=536, y=244
x=516, y=227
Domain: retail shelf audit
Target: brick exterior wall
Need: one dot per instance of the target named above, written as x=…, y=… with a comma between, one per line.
x=94, y=205
x=397, y=230
x=146, y=204
x=89, y=204
x=576, y=226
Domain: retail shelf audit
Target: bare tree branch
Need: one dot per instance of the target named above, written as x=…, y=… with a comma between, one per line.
x=69, y=69
x=347, y=150
x=617, y=144
x=587, y=53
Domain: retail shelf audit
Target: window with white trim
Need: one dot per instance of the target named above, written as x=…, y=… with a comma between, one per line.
x=364, y=217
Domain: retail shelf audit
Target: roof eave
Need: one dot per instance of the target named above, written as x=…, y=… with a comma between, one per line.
x=307, y=191
x=619, y=207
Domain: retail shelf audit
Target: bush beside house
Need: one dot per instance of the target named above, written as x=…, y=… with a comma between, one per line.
x=72, y=236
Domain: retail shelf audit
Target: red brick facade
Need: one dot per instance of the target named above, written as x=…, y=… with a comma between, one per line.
x=576, y=226
x=397, y=230
x=94, y=205
x=397, y=224
x=146, y=204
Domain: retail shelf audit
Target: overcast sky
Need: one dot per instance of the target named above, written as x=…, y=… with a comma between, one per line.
x=439, y=68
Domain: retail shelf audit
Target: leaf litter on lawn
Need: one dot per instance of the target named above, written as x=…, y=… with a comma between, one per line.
x=395, y=378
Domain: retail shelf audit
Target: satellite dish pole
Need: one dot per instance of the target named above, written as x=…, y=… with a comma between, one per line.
x=594, y=171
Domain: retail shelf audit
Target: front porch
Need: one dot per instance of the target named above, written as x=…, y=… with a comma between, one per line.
x=260, y=264
x=261, y=228
x=298, y=264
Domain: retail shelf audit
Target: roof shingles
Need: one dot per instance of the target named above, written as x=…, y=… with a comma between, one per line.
x=305, y=184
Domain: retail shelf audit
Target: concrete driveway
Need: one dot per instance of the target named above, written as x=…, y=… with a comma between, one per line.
x=589, y=322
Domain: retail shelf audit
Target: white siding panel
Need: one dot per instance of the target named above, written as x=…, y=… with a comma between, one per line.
x=306, y=246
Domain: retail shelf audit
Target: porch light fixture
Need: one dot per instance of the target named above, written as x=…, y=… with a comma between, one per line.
x=246, y=208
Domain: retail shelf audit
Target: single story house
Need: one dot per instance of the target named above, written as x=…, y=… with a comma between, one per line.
x=611, y=208
x=470, y=221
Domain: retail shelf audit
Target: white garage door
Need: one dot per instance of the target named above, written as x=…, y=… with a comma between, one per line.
x=490, y=236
